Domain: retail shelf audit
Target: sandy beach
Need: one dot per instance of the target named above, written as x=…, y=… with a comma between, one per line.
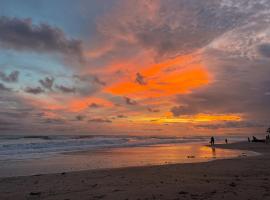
x=238, y=178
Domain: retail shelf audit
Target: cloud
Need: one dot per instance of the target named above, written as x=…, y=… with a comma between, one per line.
x=90, y=78
x=168, y=28
x=34, y=90
x=4, y=88
x=88, y=84
x=22, y=34
x=16, y=113
x=65, y=89
x=95, y=105
x=80, y=117
x=241, y=124
x=185, y=54
x=98, y=81
x=183, y=110
x=47, y=83
x=12, y=77
x=153, y=110
x=53, y=121
x=8, y=125
x=140, y=79
x=130, y=101
x=239, y=87
x=99, y=120
x=264, y=50
x=122, y=116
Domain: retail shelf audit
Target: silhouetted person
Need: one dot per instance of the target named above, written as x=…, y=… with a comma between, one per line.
x=212, y=141
x=267, y=139
x=248, y=139
x=226, y=141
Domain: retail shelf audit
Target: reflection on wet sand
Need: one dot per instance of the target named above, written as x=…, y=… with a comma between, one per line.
x=214, y=152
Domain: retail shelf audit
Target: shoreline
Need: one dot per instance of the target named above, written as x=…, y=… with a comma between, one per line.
x=117, y=158
x=234, y=178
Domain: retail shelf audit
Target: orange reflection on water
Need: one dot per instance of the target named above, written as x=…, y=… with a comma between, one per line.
x=162, y=154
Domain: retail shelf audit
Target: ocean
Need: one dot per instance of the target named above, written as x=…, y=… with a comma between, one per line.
x=28, y=155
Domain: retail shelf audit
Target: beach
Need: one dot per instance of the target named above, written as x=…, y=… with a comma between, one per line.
x=237, y=178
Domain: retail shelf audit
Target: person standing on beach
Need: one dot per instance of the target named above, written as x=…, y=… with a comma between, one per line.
x=212, y=141
x=267, y=139
x=226, y=141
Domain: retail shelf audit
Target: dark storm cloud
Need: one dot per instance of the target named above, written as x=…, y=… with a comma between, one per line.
x=130, y=101
x=100, y=120
x=11, y=78
x=22, y=34
x=140, y=79
x=34, y=90
x=47, y=82
x=66, y=89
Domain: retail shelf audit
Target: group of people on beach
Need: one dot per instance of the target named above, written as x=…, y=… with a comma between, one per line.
x=254, y=139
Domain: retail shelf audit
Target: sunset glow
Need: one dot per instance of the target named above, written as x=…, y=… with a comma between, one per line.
x=107, y=66
x=188, y=119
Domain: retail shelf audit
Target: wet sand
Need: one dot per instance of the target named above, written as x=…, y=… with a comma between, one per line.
x=110, y=158
x=238, y=178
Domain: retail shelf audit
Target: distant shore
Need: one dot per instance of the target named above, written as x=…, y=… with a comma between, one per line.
x=237, y=178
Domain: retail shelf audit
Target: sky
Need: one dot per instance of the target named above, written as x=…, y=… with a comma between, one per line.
x=137, y=67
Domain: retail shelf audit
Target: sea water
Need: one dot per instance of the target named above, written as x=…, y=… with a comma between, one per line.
x=29, y=155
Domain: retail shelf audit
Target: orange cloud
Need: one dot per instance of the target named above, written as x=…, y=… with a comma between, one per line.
x=174, y=76
x=83, y=103
x=190, y=119
x=70, y=105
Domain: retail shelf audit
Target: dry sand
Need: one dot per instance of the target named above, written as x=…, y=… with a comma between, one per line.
x=239, y=178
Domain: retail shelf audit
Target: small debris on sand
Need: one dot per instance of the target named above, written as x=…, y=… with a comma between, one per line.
x=35, y=193
x=190, y=156
x=182, y=192
x=232, y=184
